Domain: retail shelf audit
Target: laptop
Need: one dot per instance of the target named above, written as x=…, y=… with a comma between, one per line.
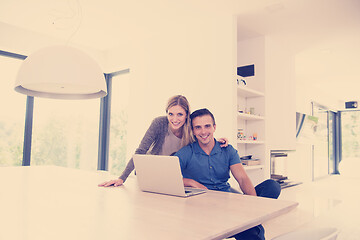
x=162, y=174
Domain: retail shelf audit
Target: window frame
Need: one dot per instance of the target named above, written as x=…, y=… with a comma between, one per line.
x=104, y=121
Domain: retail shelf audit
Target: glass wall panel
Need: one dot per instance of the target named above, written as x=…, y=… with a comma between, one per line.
x=12, y=114
x=321, y=143
x=66, y=133
x=350, y=129
x=118, y=123
x=332, y=136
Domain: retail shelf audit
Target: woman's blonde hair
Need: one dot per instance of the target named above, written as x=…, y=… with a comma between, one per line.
x=179, y=100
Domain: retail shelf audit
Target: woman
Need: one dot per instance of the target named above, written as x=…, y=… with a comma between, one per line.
x=165, y=136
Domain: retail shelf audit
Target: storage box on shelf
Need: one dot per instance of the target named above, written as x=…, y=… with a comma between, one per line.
x=251, y=130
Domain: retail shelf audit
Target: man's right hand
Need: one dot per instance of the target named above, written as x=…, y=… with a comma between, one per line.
x=112, y=183
x=192, y=183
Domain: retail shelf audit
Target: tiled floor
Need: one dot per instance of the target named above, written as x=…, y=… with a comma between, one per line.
x=328, y=202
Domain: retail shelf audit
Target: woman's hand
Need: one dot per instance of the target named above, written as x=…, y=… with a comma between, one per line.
x=112, y=183
x=224, y=142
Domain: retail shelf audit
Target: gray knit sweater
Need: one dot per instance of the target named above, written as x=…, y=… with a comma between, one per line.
x=151, y=143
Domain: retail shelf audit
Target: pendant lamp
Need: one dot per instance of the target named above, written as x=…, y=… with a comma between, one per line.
x=61, y=72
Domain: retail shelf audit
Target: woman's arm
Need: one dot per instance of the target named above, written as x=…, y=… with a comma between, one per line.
x=114, y=183
x=150, y=137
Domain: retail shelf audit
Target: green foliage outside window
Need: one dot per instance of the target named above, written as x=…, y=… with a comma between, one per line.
x=50, y=145
x=11, y=143
x=118, y=133
x=350, y=134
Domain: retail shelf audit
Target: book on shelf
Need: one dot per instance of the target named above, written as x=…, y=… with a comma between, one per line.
x=251, y=162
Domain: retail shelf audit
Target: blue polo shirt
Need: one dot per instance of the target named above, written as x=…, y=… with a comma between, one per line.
x=213, y=171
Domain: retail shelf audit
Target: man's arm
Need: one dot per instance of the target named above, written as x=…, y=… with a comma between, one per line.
x=243, y=179
x=192, y=183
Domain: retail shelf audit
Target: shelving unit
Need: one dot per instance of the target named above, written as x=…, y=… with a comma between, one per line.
x=248, y=92
x=250, y=142
x=250, y=116
x=251, y=100
x=255, y=167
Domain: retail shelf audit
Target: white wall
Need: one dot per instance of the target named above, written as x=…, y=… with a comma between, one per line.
x=252, y=51
x=280, y=95
x=307, y=93
x=179, y=51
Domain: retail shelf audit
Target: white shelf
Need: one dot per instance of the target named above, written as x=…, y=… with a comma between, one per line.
x=247, y=98
x=248, y=92
x=250, y=142
x=249, y=116
x=254, y=167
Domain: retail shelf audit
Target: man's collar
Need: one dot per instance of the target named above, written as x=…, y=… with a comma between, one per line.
x=198, y=149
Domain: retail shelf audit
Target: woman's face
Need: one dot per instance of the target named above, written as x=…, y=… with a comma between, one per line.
x=176, y=116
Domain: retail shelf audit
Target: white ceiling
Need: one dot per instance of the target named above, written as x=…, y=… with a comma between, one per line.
x=323, y=34
x=84, y=22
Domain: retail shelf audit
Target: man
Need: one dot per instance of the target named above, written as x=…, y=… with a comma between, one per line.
x=204, y=164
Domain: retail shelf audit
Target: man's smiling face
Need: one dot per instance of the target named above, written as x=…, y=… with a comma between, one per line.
x=203, y=129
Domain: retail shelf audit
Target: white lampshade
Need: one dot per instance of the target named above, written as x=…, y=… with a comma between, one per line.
x=61, y=72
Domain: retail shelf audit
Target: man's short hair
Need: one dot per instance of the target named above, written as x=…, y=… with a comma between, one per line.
x=201, y=112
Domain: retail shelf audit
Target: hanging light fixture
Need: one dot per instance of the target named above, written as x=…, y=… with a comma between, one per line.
x=61, y=72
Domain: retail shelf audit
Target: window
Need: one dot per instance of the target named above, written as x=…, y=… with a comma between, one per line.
x=118, y=123
x=321, y=147
x=350, y=142
x=63, y=132
x=324, y=154
x=350, y=134
x=66, y=133
x=12, y=114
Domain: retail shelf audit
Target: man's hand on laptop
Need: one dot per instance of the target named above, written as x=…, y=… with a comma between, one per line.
x=112, y=183
x=192, y=183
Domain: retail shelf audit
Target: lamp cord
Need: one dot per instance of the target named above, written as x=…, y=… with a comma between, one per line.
x=69, y=15
x=79, y=12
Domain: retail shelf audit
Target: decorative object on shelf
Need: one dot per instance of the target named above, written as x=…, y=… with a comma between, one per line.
x=240, y=134
x=247, y=157
x=241, y=81
x=249, y=161
x=255, y=136
x=61, y=72
x=252, y=110
x=242, y=137
x=352, y=104
x=246, y=71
